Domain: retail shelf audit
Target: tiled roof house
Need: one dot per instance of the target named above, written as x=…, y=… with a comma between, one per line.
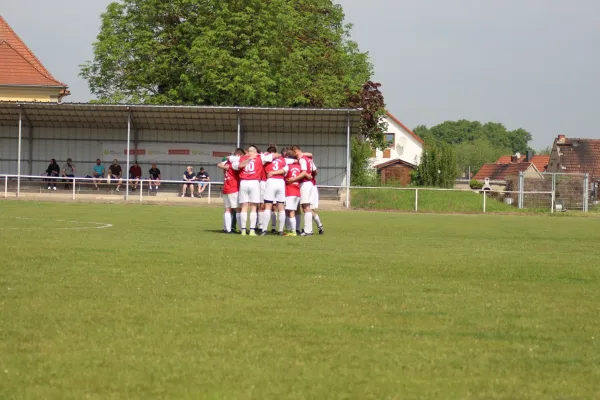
x=573, y=155
x=22, y=76
x=512, y=165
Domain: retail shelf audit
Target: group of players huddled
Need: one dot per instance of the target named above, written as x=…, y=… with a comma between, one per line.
x=274, y=187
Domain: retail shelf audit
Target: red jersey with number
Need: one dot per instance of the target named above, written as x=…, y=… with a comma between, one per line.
x=254, y=170
x=231, y=181
x=306, y=164
x=276, y=165
x=293, y=189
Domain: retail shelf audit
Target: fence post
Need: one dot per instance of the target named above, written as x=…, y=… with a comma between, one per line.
x=74, y=183
x=5, y=186
x=484, y=199
x=416, y=199
x=552, y=201
x=208, y=192
x=586, y=184
x=141, y=189
x=521, y=187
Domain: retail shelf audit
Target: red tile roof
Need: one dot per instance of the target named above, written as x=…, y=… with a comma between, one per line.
x=579, y=156
x=406, y=128
x=541, y=161
x=18, y=65
x=499, y=172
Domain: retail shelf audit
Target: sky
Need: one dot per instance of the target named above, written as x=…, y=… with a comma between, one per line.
x=529, y=64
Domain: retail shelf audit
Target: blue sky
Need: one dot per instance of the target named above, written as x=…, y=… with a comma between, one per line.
x=530, y=63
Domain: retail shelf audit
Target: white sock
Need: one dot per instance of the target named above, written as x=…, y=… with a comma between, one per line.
x=298, y=220
x=260, y=220
x=227, y=221
x=317, y=220
x=274, y=220
x=238, y=217
x=292, y=224
x=281, y=221
x=266, y=219
x=308, y=222
x=243, y=220
x=253, y=217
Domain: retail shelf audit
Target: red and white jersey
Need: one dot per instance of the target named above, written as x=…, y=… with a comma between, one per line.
x=263, y=176
x=276, y=165
x=231, y=180
x=314, y=168
x=306, y=164
x=255, y=169
x=292, y=189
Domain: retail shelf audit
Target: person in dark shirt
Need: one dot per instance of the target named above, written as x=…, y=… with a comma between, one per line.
x=188, y=180
x=203, y=177
x=115, y=172
x=52, y=171
x=135, y=173
x=154, y=177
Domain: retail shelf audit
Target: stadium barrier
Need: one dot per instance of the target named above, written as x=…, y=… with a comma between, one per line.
x=401, y=198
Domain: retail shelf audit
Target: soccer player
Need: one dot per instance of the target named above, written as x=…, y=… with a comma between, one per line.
x=154, y=173
x=314, y=199
x=292, y=196
x=306, y=187
x=231, y=185
x=251, y=167
x=274, y=190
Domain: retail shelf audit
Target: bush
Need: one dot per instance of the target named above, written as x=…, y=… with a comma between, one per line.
x=475, y=184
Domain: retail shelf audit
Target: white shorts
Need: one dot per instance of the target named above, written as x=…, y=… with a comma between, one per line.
x=291, y=203
x=263, y=185
x=249, y=192
x=306, y=189
x=314, y=199
x=275, y=190
x=231, y=200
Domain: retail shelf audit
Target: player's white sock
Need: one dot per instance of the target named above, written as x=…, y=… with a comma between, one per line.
x=317, y=220
x=274, y=220
x=308, y=222
x=260, y=219
x=292, y=224
x=227, y=221
x=266, y=218
x=281, y=221
x=253, y=217
x=243, y=220
x=298, y=220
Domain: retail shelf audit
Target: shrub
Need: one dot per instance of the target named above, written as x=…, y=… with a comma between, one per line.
x=475, y=184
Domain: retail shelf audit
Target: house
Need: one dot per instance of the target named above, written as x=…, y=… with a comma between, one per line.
x=395, y=172
x=22, y=75
x=402, y=153
x=539, y=160
x=573, y=155
x=508, y=168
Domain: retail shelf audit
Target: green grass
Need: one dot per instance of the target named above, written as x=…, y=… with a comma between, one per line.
x=429, y=201
x=383, y=306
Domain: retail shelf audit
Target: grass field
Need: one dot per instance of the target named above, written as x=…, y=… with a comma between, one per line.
x=383, y=306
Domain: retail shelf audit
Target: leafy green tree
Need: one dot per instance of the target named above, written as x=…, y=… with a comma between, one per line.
x=212, y=52
x=437, y=167
x=475, y=153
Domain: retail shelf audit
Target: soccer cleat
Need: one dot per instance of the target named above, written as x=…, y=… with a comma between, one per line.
x=280, y=233
x=54, y=188
x=243, y=232
x=263, y=233
x=292, y=234
x=192, y=195
x=118, y=190
x=321, y=230
x=49, y=188
x=273, y=231
x=306, y=234
x=298, y=233
x=252, y=233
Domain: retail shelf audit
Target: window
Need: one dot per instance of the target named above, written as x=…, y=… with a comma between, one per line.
x=390, y=139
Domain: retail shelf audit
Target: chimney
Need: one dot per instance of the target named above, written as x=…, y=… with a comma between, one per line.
x=561, y=139
x=514, y=159
x=529, y=156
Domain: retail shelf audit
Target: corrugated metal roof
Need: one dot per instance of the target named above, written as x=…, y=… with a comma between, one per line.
x=181, y=118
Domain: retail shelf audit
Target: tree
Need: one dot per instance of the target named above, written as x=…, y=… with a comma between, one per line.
x=208, y=52
x=472, y=155
x=545, y=151
x=437, y=167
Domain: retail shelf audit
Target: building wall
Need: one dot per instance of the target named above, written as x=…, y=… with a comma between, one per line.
x=84, y=146
x=396, y=174
x=405, y=147
x=29, y=94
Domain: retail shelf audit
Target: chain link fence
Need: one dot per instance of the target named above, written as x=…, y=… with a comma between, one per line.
x=570, y=191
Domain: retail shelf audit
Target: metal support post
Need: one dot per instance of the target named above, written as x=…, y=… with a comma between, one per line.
x=128, y=151
x=348, y=165
x=19, y=153
x=141, y=189
x=484, y=199
x=208, y=192
x=5, y=186
x=552, y=206
x=521, y=188
x=239, y=128
x=586, y=185
x=416, y=199
x=73, y=187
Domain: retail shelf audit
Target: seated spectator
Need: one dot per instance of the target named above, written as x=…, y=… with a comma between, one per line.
x=97, y=173
x=115, y=172
x=154, y=177
x=135, y=173
x=68, y=171
x=203, y=178
x=52, y=171
x=188, y=181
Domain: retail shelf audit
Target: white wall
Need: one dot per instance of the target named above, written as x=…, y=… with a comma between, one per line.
x=406, y=147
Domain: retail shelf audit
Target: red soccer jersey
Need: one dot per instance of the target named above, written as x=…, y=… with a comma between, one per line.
x=254, y=170
x=293, y=189
x=314, y=179
x=231, y=182
x=306, y=164
x=276, y=165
